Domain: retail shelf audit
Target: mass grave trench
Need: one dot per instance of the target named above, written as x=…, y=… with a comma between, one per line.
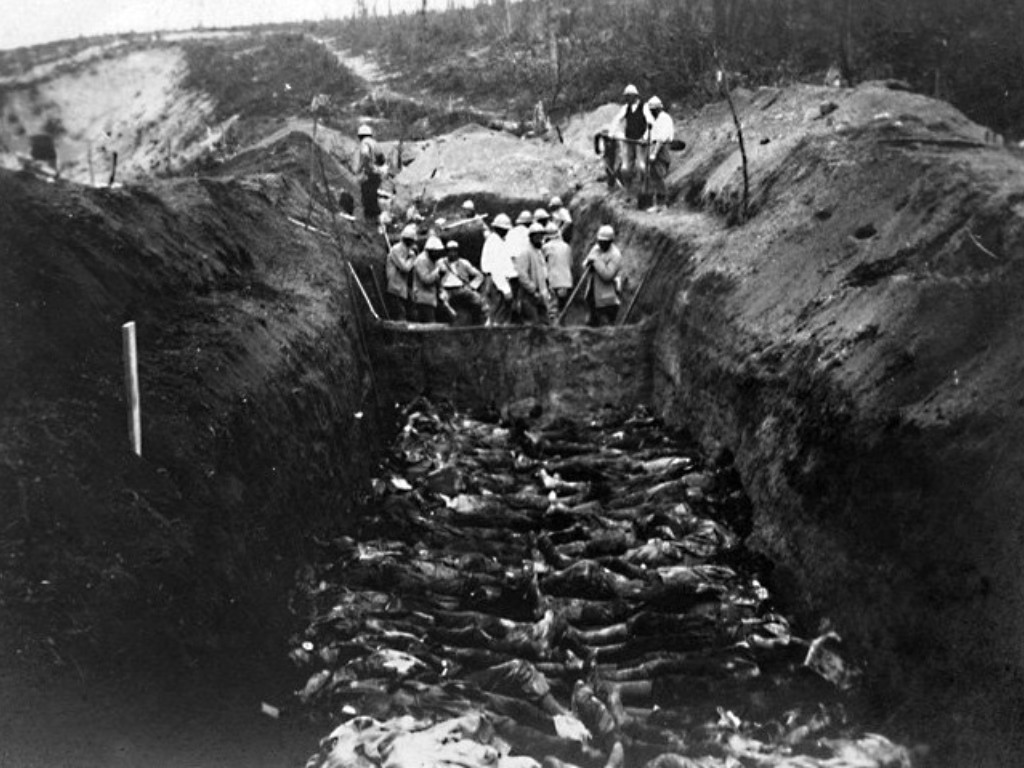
x=540, y=576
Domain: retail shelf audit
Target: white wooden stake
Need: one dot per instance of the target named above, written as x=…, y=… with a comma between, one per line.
x=131, y=385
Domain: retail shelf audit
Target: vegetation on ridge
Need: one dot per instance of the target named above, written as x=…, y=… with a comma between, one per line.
x=574, y=54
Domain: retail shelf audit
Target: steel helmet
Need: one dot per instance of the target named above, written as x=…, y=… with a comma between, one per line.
x=501, y=221
x=409, y=232
x=551, y=228
x=524, y=217
x=452, y=245
x=537, y=228
x=434, y=244
x=364, y=130
x=606, y=233
x=541, y=215
x=630, y=90
x=556, y=202
x=469, y=206
x=654, y=103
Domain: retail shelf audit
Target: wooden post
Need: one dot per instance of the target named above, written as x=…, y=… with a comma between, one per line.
x=131, y=385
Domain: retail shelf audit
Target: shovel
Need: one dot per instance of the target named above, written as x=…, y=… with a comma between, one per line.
x=572, y=296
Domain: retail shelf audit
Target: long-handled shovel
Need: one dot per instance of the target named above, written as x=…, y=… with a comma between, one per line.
x=643, y=200
x=572, y=296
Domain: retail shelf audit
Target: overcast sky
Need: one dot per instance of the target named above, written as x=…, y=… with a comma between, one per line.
x=28, y=22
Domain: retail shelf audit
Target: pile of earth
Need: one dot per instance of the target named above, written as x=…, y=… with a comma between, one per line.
x=493, y=168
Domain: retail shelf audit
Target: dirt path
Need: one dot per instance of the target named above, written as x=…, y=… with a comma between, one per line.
x=379, y=85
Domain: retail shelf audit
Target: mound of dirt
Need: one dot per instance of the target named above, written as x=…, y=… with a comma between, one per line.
x=854, y=342
x=485, y=164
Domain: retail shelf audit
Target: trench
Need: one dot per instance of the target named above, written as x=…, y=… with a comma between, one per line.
x=308, y=443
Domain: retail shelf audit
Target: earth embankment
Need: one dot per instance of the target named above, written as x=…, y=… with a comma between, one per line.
x=252, y=385
x=854, y=343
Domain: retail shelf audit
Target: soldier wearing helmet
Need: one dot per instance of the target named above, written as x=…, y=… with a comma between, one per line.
x=519, y=237
x=630, y=127
x=561, y=217
x=369, y=166
x=462, y=282
x=398, y=269
x=426, y=279
x=499, y=269
x=663, y=132
x=605, y=260
x=558, y=256
x=533, y=298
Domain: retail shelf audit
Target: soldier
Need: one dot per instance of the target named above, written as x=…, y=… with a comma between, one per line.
x=558, y=255
x=397, y=269
x=533, y=296
x=662, y=134
x=426, y=279
x=606, y=261
x=462, y=282
x=369, y=166
x=630, y=127
x=562, y=218
x=497, y=265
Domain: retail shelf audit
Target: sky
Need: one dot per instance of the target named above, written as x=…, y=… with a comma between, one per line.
x=30, y=22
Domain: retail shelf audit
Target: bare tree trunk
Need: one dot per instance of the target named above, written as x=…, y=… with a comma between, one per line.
x=723, y=84
x=846, y=42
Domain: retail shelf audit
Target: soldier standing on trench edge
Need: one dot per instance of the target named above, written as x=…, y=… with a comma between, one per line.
x=370, y=167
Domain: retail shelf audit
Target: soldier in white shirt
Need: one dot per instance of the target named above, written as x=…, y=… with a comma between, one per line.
x=662, y=133
x=497, y=264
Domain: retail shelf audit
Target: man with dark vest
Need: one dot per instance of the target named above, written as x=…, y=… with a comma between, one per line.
x=630, y=124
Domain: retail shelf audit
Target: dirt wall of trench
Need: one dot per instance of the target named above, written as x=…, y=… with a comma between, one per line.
x=251, y=382
x=856, y=344
x=562, y=369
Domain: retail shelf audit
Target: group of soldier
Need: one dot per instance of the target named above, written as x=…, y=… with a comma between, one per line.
x=523, y=275
x=636, y=146
x=518, y=272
